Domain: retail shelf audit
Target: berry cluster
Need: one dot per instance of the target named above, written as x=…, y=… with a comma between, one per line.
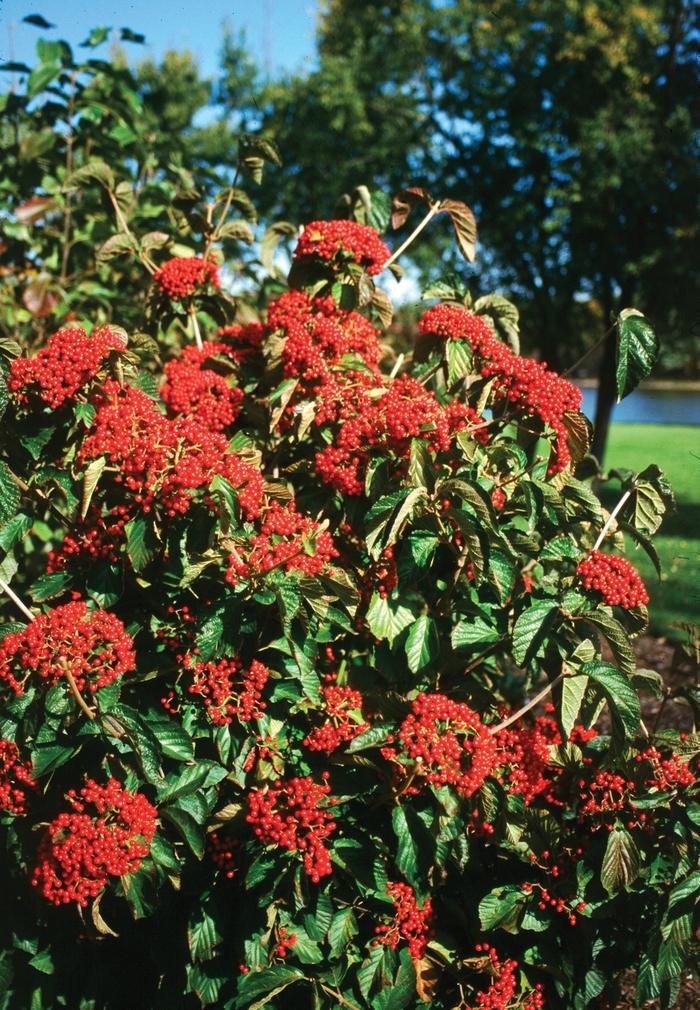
x=343, y=705
x=318, y=335
x=183, y=275
x=616, y=580
x=285, y=942
x=191, y=390
x=93, y=538
x=296, y=814
x=503, y=991
x=386, y=424
x=92, y=645
x=444, y=742
x=242, y=341
x=331, y=240
x=288, y=540
x=82, y=849
x=15, y=779
x=228, y=691
x=527, y=385
x=410, y=923
x=222, y=853
x=609, y=793
x=526, y=757
x=162, y=460
x=69, y=361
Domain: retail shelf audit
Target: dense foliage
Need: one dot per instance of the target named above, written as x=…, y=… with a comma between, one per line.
x=316, y=682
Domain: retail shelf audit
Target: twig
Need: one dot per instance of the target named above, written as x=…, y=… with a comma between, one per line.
x=16, y=600
x=594, y=347
x=77, y=695
x=397, y=365
x=526, y=708
x=610, y=520
x=414, y=234
x=195, y=328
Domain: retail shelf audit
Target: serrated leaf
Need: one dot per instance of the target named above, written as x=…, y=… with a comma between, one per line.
x=139, y=544
x=387, y=618
x=342, y=929
x=619, y=693
x=464, y=224
x=375, y=736
x=271, y=240
x=621, y=861
x=239, y=231
x=530, y=629
x=637, y=349
x=203, y=936
x=573, y=689
x=403, y=203
x=266, y=983
x=473, y=633
x=500, y=909
x=94, y=171
x=422, y=644
x=9, y=495
x=90, y=480
x=458, y=355
x=386, y=517
x=402, y=989
x=617, y=638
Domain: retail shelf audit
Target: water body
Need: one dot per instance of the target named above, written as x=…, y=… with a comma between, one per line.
x=651, y=406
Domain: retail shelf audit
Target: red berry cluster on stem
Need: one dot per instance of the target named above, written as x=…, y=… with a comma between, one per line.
x=70, y=360
x=193, y=391
x=343, y=706
x=184, y=275
x=444, y=742
x=528, y=385
x=16, y=781
x=359, y=242
x=295, y=814
x=411, y=923
x=287, y=540
x=615, y=578
x=92, y=645
x=107, y=834
x=228, y=691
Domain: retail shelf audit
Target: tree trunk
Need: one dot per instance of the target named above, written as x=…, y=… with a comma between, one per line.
x=605, y=400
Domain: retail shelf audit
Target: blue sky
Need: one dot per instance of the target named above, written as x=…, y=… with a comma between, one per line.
x=280, y=32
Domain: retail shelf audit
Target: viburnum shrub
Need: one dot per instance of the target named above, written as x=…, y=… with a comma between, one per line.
x=316, y=678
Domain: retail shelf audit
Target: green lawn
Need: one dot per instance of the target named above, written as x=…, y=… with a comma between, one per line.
x=676, y=449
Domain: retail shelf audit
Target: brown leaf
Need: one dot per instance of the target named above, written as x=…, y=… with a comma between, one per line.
x=427, y=978
x=464, y=224
x=404, y=202
x=38, y=299
x=579, y=431
x=33, y=210
x=381, y=303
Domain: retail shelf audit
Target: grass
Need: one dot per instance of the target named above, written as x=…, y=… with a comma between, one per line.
x=676, y=449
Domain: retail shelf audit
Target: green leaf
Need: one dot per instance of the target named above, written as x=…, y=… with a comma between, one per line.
x=387, y=618
x=501, y=908
x=648, y=986
x=402, y=990
x=422, y=644
x=9, y=495
x=637, y=349
x=342, y=929
x=621, y=861
x=375, y=736
x=192, y=832
x=41, y=76
x=621, y=696
x=617, y=638
x=267, y=983
x=473, y=633
x=173, y=740
x=386, y=517
x=96, y=37
x=203, y=936
x=94, y=171
x=90, y=479
x=139, y=542
x=530, y=629
x=458, y=354
x=116, y=245
x=38, y=21
x=48, y=586
x=573, y=689
x=415, y=845
x=651, y=498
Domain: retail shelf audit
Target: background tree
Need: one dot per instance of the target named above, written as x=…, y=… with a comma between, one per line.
x=572, y=130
